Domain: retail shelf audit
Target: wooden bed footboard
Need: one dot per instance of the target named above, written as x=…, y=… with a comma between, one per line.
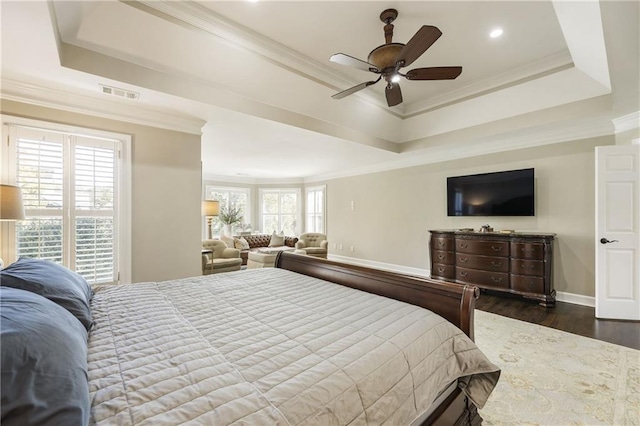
x=454, y=302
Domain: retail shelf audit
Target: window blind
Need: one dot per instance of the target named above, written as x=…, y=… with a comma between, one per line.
x=69, y=187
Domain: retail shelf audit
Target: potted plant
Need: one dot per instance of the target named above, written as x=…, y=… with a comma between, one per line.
x=229, y=216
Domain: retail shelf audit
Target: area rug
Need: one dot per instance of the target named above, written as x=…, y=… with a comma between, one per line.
x=550, y=377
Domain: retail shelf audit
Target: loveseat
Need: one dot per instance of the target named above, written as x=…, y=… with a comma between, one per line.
x=257, y=241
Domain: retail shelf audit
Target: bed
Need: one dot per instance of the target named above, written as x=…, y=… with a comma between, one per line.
x=307, y=342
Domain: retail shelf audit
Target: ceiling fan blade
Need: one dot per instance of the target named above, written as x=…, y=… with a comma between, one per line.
x=434, y=73
x=394, y=94
x=350, y=61
x=419, y=43
x=354, y=89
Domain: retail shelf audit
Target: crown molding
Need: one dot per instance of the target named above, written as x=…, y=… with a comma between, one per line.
x=627, y=122
x=196, y=16
x=477, y=148
x=68, y=99
x=251, y=181
x=201, y=18
x=533, y=70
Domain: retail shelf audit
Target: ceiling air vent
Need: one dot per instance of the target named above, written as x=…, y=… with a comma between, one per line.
x=116, y=91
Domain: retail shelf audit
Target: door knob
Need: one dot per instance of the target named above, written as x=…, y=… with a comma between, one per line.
x=605, y=241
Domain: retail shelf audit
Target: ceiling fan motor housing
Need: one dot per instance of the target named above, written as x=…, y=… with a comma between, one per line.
x=385, y=56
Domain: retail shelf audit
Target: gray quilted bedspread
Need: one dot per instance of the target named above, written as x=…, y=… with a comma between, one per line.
x=268, y=347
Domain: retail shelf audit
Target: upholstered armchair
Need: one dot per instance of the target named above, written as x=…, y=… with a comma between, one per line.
x=217, y=257
x=314, y=244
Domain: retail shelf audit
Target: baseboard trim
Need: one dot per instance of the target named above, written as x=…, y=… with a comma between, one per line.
x=381, y=265
x=561, y=296
x=576, y=299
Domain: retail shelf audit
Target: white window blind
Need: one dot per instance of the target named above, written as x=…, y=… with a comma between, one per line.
x=70, y=192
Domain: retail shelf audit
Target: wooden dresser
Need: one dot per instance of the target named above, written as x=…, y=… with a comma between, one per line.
x=519, y=263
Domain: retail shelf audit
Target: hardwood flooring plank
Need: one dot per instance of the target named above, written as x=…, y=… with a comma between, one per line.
x=567, y=317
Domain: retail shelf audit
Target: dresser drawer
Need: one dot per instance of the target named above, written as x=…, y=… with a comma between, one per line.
x=443, y=271
x=527, y=284
x=487, y=248
x=527, y=267
x=487, y=263
x=442, y=243
x=527, y=250
x=444, y=257
x=484, y=278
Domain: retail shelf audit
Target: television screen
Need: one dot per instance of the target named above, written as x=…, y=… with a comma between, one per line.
x=509, y=193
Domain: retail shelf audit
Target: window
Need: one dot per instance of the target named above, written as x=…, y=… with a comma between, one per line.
x=71, y=192
x=230, y=197
x=315, y=209
x=280, y=210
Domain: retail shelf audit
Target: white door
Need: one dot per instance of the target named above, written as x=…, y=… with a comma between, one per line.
x=617, y=232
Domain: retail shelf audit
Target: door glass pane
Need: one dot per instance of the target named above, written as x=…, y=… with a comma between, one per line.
x=270, y=224
x=289, y=224
x=288, y=203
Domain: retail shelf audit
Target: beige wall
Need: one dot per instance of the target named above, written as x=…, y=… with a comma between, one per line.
x=165, y=185
x=394, y=210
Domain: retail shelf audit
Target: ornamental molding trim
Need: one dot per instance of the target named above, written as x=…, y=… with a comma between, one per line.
x=66, y=99
x=627, y=122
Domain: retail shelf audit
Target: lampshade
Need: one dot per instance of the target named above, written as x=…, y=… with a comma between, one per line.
x=11, y=207
x=210, y=208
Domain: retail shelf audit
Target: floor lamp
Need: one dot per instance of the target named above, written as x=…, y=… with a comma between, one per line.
x=210, y=208
x=11, y=207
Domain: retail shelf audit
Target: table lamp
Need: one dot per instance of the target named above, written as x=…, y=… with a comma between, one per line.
x=11, y=207
x=210, y=208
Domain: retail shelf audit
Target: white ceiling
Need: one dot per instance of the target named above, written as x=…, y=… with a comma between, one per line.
x=255, y=76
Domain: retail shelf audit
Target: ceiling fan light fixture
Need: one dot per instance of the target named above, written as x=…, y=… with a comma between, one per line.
x=496, y=33
x=395, y=78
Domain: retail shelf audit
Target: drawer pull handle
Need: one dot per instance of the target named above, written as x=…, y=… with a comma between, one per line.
x=463, y=274
x=494, y=248
x=463, y=245
x=441, y=269
x=530, y=267
x=527, y=250
x=463, y=259
x=440, y=257
x=496, y=280
x=441, y=243
x=494, y=263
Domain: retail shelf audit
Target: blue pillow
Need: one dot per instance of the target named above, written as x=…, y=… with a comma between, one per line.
x=44, y=379
x=55, y=282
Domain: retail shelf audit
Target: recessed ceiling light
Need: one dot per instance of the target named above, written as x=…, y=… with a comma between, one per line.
x=496, y=33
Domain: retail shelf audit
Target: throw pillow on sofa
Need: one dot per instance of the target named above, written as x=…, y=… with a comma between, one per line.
x=229, y=241
x=241, y=243
x=277, y=240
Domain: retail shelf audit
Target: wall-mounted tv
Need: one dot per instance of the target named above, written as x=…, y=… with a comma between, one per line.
x=509, y=193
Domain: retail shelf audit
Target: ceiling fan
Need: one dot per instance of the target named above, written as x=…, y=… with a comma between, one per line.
x=387, y=59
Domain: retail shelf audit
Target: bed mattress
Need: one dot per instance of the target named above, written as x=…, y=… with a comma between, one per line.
x=269, y=346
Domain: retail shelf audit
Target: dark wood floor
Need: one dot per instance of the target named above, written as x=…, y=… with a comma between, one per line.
x=567, y=317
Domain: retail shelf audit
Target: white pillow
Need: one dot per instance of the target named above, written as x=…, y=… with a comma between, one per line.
x=277, y=240
x=228, y=241
x=241, y=243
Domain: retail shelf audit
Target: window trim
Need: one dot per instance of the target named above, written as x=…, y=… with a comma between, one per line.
x=322, y=188
x=299, y=205
x=124, y=212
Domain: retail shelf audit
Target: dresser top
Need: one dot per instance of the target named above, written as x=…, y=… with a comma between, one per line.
x=494, y=233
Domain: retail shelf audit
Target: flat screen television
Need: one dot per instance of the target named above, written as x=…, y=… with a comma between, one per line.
x=509, y=193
